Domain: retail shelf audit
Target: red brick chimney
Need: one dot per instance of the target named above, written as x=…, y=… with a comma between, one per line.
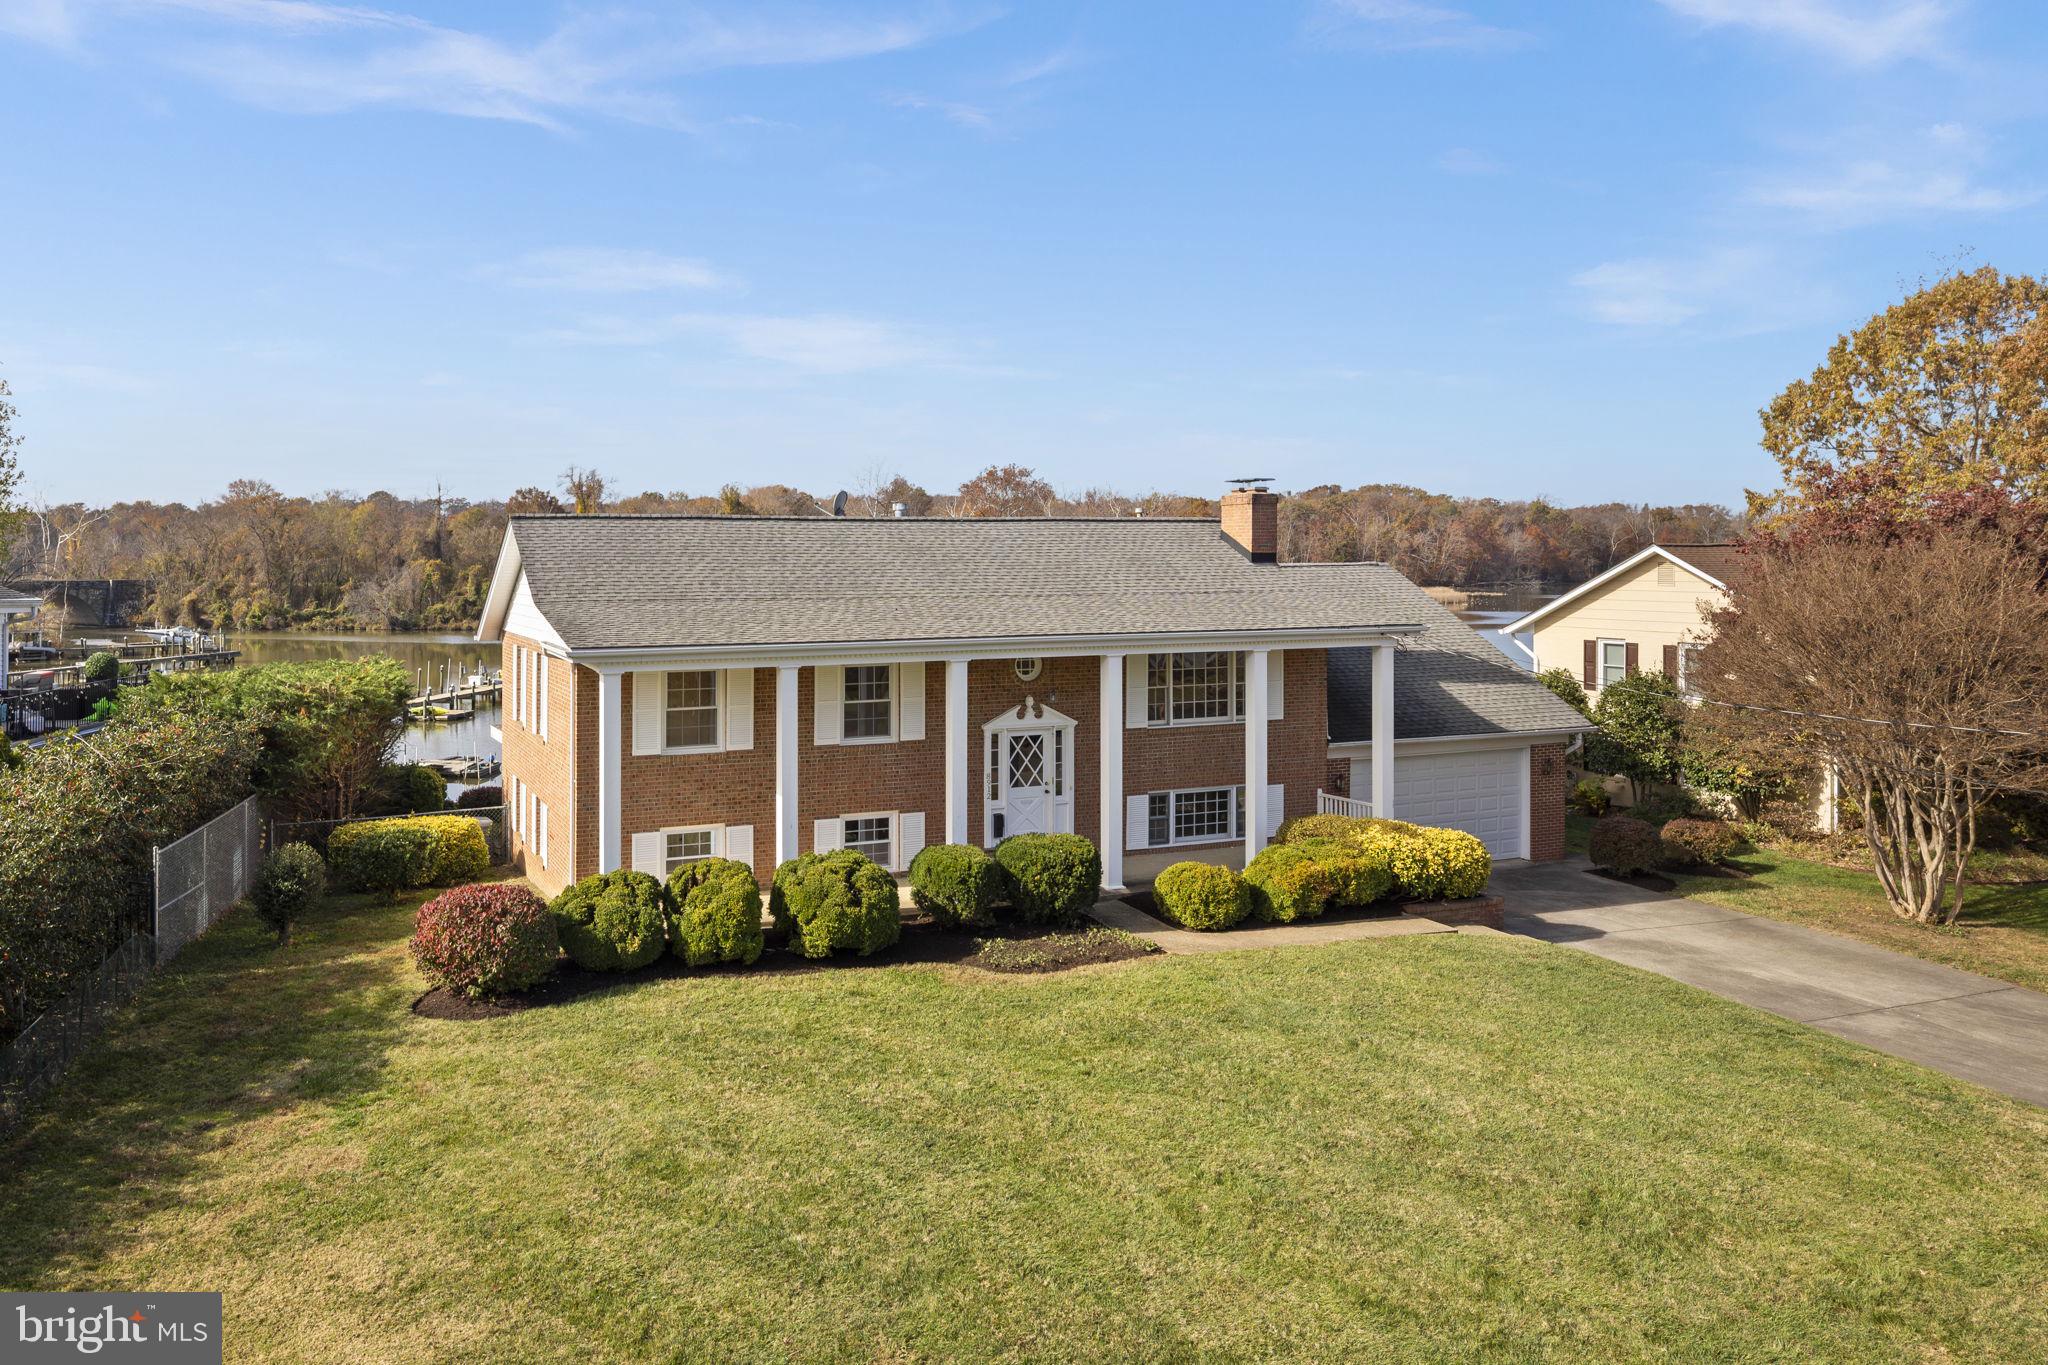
x=1251, y=521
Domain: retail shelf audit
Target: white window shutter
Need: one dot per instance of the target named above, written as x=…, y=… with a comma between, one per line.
x=909, y=838
x=739, y=708
x=909, y=691
x=650, y=853
x=541, y=830
x=1276, y=808
x=542, y=697
x=1134, y=690
x=526, y=687
x=1276, y=684
x=650, y=687
x=826, y=834
x=1138, y=821
x=739, y=843
x=828, y=704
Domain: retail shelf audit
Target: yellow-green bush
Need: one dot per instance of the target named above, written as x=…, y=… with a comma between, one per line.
x=1201, y=896
x=407, y=853
x=1303, y=828
x=1428, y=863
x=1289, y=882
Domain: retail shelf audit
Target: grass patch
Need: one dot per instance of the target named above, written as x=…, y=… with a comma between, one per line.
x=2003, y=932
x=1440, y=1147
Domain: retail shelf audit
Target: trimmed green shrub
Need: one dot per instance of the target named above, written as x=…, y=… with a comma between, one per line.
x=956, y=884
x=1201, y=896
x=1358, y=875
x=485, y=940
x=414, y=789
x=1625, y=846
x=285, y=885
x=714, y=912
x=383, y=856
x=1050, y=878
x=100, y=667
x=835, y=902
x=478, y=797
x=1289, y=882
x=461, y=848
x=408, y=852
x=1305, y=827
x=613, y=921
x=1700, y=841
x=1589, y=797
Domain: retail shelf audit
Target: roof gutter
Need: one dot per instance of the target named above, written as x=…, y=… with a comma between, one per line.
x=986, y=647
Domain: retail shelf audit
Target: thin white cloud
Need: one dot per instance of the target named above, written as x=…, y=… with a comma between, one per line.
x=596, y=270
x=1406, y=26
x=308, y=57
x=1871, y=178
x=1860, y=34
x=1051, y=64
x=1467, y=161
x=1734, y=290
x=817, y=343
x=953, y=111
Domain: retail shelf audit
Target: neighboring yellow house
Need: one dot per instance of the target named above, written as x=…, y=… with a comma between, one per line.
x=1647, y=612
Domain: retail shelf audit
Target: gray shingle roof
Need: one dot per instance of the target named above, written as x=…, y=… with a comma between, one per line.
x=1447, y=681
x=675, y=581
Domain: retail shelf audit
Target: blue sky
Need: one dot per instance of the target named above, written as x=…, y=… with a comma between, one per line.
x=1487, y=247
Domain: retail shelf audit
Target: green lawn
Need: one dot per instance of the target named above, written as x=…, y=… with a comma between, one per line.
x=2003, y=932
x=1440, y=1147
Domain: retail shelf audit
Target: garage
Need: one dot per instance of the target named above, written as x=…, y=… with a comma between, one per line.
x=1482, y=791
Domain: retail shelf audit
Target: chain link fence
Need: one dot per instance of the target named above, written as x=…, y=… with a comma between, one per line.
x=201, y=876
x=42, y=1052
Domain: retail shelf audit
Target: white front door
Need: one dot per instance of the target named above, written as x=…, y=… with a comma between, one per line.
x=1027, y=782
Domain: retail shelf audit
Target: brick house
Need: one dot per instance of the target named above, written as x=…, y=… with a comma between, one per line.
x=756, y=687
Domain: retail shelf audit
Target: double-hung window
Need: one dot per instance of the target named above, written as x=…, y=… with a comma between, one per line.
x=1204, y=685
x=690, y=710
x=867, y=703
x=681, y=846
x=1688, y=670
x=1197, y=816
x=1613, y=661
x=870, y=834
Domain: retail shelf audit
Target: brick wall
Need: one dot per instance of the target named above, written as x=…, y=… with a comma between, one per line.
x=1546, y=802
x=661, y=791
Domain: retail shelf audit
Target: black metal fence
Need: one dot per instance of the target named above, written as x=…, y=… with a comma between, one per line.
x=41, y=1053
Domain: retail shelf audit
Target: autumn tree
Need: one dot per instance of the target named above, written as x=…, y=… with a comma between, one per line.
x=585, y=488
x=1008, y=490
x=1944, y=391
x=532, y=501
x=1916, y=668
x=10, y=469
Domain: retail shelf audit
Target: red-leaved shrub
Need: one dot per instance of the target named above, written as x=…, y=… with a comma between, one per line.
x=485, y=940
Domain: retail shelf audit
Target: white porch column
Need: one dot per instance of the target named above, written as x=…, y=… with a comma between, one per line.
x=1111, y=823
x=609, y=758
x=785, y=763
x=1256, y=721
x=1383, y=731
x=958, y=752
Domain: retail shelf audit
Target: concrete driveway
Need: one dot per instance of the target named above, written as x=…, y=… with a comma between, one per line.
x=1969, y=1026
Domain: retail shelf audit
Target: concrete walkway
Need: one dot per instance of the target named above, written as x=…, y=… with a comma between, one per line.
x=1968, y=1026
x=1117, y=915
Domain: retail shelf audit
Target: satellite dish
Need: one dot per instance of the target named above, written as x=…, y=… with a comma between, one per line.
x=839, y=503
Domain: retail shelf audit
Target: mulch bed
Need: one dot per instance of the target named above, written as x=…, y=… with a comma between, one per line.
x=1041, y=949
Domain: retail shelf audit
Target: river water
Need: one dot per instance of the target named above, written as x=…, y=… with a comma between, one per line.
x=430, y=659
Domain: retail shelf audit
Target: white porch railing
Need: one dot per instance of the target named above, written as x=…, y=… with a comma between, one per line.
x=1330, y=804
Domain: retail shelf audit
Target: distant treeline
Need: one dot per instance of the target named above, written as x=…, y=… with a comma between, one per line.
x=256, y=559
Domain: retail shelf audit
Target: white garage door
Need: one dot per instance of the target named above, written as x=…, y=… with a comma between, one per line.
x=1480, y=793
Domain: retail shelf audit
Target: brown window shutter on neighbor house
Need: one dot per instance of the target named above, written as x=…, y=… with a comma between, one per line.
x=1592, y=663
x=1671, y=662
x=1630, y=657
